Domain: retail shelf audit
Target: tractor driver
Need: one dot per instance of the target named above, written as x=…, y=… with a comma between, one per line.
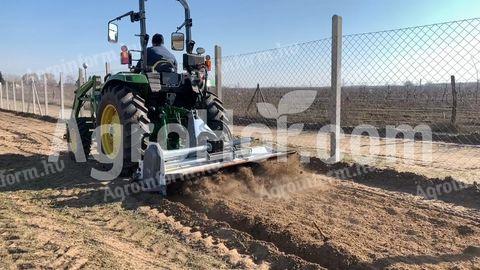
x=158, y=52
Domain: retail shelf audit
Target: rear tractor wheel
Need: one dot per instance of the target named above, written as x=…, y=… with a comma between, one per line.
x=217, y=119
x=122, y=118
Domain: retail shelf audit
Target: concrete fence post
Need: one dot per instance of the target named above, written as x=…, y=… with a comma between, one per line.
x=8, y=98
x=23, y=95
x=336, y=89
x=80, y=77
x=45, y=92
x=14, y=91
x=218, y=72
x=1, y=95
x=33, y=96
x=107, y=68
x=62, y=104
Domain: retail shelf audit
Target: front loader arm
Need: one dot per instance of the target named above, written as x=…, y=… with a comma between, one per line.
x=82, y=95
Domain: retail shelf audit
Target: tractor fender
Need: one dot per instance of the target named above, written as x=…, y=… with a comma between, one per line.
x=134, y=80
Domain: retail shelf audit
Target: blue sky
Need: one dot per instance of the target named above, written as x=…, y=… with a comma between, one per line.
x=35, y=35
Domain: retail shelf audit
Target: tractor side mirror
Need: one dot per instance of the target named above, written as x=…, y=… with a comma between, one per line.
x=112, y=33
x=178, y=41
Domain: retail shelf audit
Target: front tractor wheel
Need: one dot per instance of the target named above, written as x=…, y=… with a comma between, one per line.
x=123, y=126
x=79, y=139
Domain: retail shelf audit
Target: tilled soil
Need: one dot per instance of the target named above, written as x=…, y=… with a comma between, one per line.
x=276, y=215
x=341, y=224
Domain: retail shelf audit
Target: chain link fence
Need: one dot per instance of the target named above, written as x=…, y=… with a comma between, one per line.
x=426, y=75
x=404, y=76
x=295, y=80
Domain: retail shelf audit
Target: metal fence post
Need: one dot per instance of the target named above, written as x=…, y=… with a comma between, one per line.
x=335, y=94
x=14, y=90
x=1, y=95
x=23, y=95
x=62, y=104
x=218, y=72
x=8, y=99
x=45, y=91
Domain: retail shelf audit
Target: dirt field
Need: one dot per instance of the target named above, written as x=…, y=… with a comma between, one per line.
x=258, y=217
x=429, y=159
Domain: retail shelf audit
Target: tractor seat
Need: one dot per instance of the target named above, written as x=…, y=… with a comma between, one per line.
x=157, y=80
x=163, y=73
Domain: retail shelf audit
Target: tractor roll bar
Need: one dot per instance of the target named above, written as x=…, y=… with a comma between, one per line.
x=188, y=26
x=141, y=16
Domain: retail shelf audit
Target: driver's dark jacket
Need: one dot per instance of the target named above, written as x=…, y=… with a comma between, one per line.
x=157, y=53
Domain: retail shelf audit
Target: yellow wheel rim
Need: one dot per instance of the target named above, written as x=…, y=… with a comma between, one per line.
x=111, y=131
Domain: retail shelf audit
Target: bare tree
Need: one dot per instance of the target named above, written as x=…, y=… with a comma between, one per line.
x=70, y=79
x=50, y=79
x=27, y=78
x=445, y=97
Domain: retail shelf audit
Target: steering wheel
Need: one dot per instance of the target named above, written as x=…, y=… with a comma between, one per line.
x=162, y=62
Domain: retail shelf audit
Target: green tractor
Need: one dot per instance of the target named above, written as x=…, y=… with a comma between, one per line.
x=155, y=123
